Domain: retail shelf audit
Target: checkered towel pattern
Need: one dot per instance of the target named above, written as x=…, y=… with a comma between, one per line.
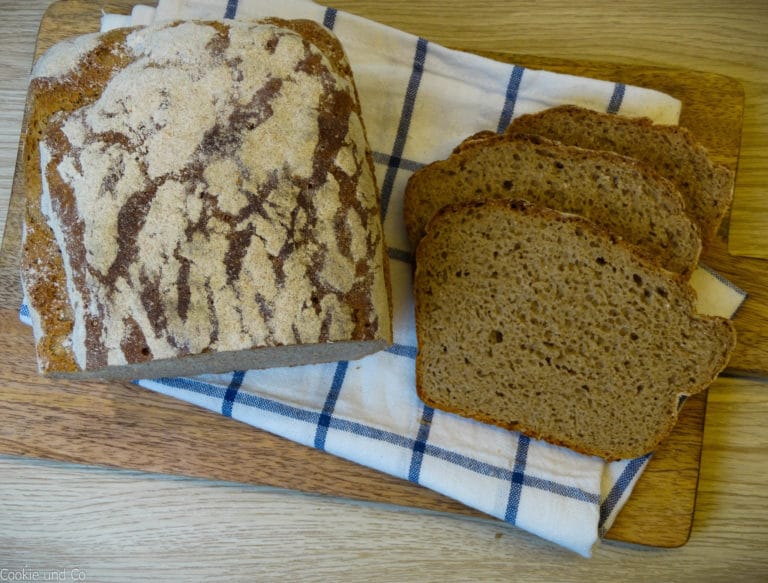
x=420, y=99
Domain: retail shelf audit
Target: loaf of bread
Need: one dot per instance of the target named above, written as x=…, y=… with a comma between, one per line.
x=542, y=322
x=201, y=198
x=672, y=151
x=614, y=191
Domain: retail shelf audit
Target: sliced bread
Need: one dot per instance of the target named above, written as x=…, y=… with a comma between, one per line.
x=672, y=151
x=542, y=322
x=614, y=191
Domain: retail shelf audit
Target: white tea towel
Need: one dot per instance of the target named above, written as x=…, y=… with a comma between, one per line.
x=420, y=99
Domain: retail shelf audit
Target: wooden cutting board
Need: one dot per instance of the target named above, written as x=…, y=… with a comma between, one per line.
x=122, y=425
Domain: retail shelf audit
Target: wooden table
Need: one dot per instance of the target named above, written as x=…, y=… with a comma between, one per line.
x=94, y=524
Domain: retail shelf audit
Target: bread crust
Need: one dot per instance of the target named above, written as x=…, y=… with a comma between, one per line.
x=70, y=86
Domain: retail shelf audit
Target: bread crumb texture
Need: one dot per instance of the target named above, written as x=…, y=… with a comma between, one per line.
x=611, y=190
x=542, y=322
x=706, y=187
x=211, y=191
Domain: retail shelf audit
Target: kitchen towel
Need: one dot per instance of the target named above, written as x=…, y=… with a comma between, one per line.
x=420, y=99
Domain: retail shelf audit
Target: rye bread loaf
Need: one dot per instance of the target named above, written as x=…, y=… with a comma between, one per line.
x=672, y=151
x=614, y=191
x=200, y=198
x=542, y=322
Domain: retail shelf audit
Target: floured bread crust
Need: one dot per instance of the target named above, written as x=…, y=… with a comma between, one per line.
x=206, y=188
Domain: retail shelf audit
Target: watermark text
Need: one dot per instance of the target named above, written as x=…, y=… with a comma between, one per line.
x=27, y=573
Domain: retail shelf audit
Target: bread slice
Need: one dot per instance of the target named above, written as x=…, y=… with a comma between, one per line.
x=201, y=198
x=542, y=322
x=672, y=151
x=614, y=191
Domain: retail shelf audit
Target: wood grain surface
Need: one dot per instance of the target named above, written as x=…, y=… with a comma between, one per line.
x=674, y=473
x=114, y=523
x=129, y=526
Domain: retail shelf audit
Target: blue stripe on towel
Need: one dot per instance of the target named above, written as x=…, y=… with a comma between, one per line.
x=232, y=389
x=616, y=99
x=330, y=402
x=191, y=386
x=420, y=445
x=518, y=479
x=329, y=19
x=513, y=86
x=402, y=350
x=369, y=432
x=560, y=489
x=514, y=475
x=231, y=10
x=398, y=148
x=404, y=163
x=400, y=255
x=325, y=420
x=621, y=485
x=466, y=462
x=277, y=408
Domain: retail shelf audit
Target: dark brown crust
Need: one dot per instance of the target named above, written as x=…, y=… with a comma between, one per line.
x=45, y=285
x=665, y=425
x=469, y=141
x=331, y=46
x=333, y=49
